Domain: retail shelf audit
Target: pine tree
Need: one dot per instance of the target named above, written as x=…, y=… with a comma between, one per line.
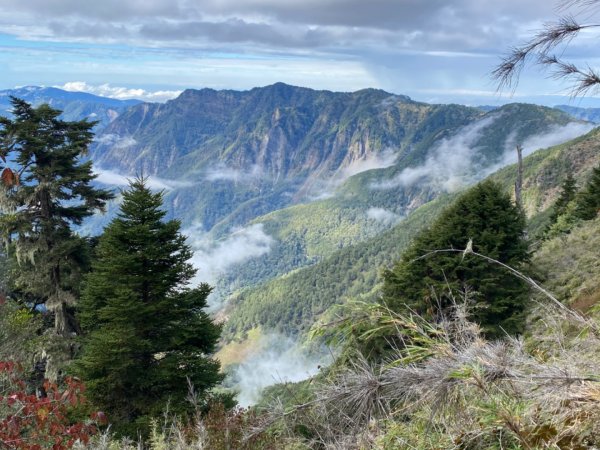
x=588, y=200
x=145, y=331
x=45, y=190
x=567, y=195
x=485, y=218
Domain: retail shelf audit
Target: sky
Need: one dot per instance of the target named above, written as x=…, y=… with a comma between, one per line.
x=437, y=51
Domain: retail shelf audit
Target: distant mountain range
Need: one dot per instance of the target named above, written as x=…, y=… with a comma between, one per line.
x=309, y=172
x=233, y=156
x=589, y=114
x=75, y=105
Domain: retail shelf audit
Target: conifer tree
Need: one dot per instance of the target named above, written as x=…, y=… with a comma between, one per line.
x=145, y=330
x=588, y=200
x=567, y=195
x=485, y=218
x=45, y=190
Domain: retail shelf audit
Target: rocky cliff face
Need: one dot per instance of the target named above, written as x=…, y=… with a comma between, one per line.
x=285, y=130
x=272, y=145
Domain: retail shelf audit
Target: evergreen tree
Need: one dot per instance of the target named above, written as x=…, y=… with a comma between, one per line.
x=145, y=331
x=588, y=200
x=486, y=217
x=567, y=195
x=45, y=190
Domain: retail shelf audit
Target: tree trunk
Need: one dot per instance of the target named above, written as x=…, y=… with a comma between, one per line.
x=61, y=320
x=519, y=182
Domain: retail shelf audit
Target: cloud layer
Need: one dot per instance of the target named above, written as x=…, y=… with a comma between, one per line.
x=412, y=24
x=215, y=258
x=432, y=50
x=114, y=178
x=279, y=359
x=222, y=172
x=455, y=162
x=121, y=93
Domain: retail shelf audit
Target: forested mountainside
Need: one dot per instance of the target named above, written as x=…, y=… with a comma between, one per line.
x=291, y=303
x=237, y=155
x=314, y=171
x=374, y=200
x=309, y=172
x=74, y=105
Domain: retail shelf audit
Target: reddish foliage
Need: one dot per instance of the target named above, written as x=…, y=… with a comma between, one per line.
x=29, y=422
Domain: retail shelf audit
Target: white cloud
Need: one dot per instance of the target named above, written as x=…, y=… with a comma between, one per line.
x=120, y=93
x=114, y=178
x=279, y=359
x=383, y=215
x=222, y=172
x=449, y=166
x=215, y=258
x=116, y=141
x=555, y=136
x=323, y=189
x=382, y=160
x=456, y=162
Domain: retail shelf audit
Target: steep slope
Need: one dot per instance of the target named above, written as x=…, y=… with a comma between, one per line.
x=238, y=155
x=74, y=105
x=575, y=284
x=375, y=200
x=292, y=302
x=317, y=170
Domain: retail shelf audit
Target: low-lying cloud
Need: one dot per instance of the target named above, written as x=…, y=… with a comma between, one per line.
x=279, y=359
x=555, y=136
x=116, y=141
x=222, y=172
x=383, y=215
x=114, y=178
x=456, y=161
x=120, y=93
x=448, y=165
x=324, y=189
x=213, y=258
x=386, y=158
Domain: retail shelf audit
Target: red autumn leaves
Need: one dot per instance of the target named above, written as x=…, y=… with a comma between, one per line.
x=32, y=422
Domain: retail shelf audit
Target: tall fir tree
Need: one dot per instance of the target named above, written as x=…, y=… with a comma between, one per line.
x=145, y=331
x=588, y=199
x=45, y=190
x=485, y=218
x=567, y=195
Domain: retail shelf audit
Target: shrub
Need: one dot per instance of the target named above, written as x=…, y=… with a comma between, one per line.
x=30, y=421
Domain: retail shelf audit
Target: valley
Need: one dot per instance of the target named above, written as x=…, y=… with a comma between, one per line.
x=294, y=199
